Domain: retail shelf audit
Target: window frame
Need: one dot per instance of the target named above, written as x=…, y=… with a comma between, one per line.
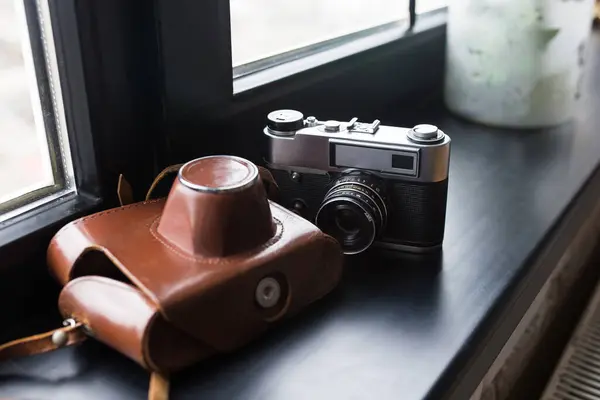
x=96, y=123
x=48, y=112
x=200, y=108
x=20, y=234
x=141, y=95
x=194, y=87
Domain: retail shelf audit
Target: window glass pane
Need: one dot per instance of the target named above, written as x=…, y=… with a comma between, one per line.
x=264, y=28
x=424, y=6
x=26, y=158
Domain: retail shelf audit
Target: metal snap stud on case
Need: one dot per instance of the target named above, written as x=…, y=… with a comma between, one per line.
x=268, y=292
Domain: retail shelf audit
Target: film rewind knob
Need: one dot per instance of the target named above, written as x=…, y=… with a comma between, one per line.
x=285, y=121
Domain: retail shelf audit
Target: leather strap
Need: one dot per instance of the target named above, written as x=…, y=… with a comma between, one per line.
x=124, y=191
x=67, y=336
x=270, y=184
x=159, y=387
x=169, y=170
x=43, y=342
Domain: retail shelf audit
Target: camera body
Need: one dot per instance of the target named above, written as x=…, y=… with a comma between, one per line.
x=362, y=183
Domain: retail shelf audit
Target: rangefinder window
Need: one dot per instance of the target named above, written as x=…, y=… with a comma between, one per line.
x=403, y=162
x=375, y=159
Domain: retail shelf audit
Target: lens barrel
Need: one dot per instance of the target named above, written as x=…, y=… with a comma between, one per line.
x=354, y=211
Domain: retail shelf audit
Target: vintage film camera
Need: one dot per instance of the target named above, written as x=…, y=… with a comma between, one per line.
x=362, y=183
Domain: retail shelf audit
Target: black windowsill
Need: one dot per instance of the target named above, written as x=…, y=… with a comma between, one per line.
x=30, y=231
x=396, y=328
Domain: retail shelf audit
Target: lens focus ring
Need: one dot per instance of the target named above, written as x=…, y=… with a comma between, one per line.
x=354, y=211
x=358, y=193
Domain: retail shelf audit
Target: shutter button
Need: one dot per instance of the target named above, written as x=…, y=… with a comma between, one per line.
x=425, y=133
x=332, y=126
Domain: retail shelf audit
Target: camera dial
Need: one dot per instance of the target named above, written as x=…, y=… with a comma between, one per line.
x=354, y=211
x=285, y=121
x=425, y=133
x=332, y=126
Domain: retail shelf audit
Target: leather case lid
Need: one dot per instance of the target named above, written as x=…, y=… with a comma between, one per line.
x=120, y=316
x=212, y=299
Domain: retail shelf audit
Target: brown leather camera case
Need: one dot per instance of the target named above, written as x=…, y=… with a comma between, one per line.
x=170, y=282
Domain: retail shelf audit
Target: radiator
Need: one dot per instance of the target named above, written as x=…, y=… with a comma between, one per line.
x=577, y=376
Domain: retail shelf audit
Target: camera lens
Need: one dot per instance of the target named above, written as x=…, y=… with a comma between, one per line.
x=354, y=211
x=347, y=221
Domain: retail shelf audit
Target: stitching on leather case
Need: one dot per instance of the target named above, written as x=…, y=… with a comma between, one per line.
x=135, y=282
x=215, y=260
x=103, y=280
x=114, y=210
x=80, y=315
x=102, y=213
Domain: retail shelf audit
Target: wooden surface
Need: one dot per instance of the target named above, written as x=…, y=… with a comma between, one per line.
x=397, y=328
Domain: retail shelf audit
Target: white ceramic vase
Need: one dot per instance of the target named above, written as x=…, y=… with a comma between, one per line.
x=516, y=63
